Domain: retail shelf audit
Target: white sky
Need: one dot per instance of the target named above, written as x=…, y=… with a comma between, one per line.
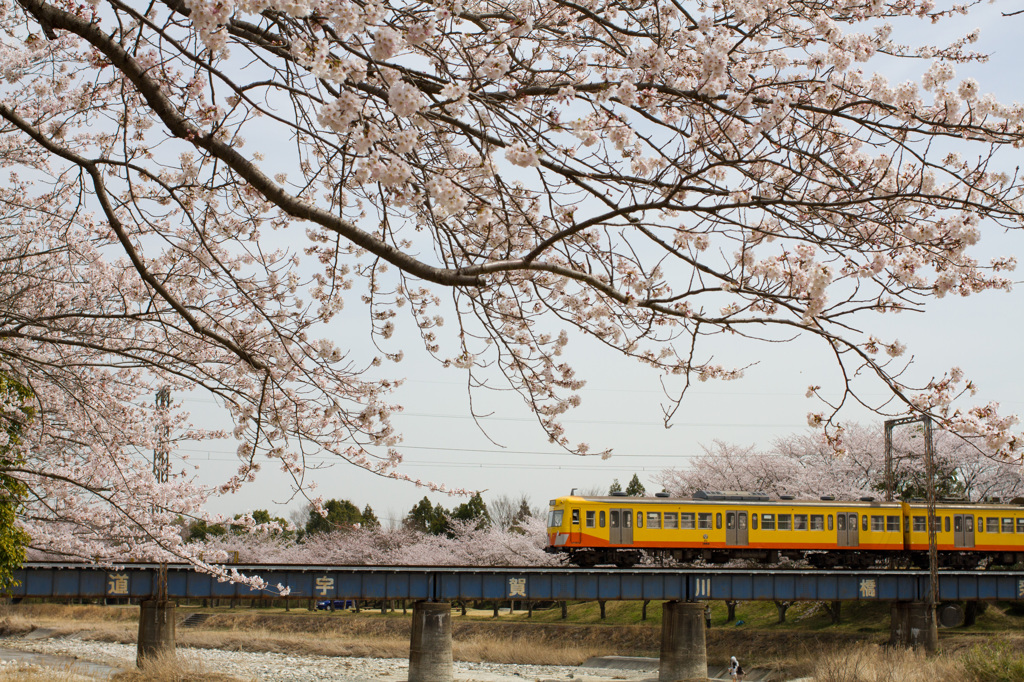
x=621, y=401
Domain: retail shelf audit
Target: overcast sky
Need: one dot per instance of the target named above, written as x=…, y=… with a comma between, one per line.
x=621, y=403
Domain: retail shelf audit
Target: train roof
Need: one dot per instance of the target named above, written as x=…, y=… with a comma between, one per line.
x=718, y=498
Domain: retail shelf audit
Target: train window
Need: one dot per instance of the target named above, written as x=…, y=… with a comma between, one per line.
x=627, y=520
x=590, y=519
x=892, y=524
x=947, y=524
x=767, y=522
x=830, y=522
x=877, y=523
x=575, y=517
x=704, y=521
x=1007, y=525
x=639, y=519
x=718, y=521
x=865, y=524
x=968, y=524
x=991, y=525
x=686, y=521
x=1020, y=525
x=840, y=521
x=753, y=521
x=555, y=518
x=785, y=522
x=654, y=519
x=729, y=518
x=600, y=519
x=958, y=524
x=919, y=526
x=800, y=522
x=671, y=520
x=615, y=519
x=818, y=522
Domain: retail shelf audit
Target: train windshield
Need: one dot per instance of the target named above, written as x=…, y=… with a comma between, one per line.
x=555, y=518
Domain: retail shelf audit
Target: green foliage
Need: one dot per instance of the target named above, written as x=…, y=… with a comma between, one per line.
x=370, y=519
x=15, y=412
x=635, y=487
x=262, y=516
x=996, y=662
x=522, y=514
x=201, y=531
x=341, y=515
x=473, y=510
x=427, y=518
x=615, y=487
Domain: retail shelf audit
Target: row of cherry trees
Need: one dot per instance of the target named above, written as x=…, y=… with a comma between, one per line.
x=807, y=465
x=200, y=194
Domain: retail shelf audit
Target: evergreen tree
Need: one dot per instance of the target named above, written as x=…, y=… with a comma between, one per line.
x=201, y=531
x=635, y=487
x=370, y=519
x=427, y=518
x=473, y=510
x=15, y=412
x=615, y=487
x=521, y=516
x=341, y=514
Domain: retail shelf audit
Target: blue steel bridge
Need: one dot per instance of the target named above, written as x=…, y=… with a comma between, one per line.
x=447, y=583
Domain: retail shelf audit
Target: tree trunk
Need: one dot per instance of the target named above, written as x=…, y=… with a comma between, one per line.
x=601, y=603
x=730, y=606
x=643, y=610
x=835, y=611
x=782, y=606
x=565, y=610
x=970, y=613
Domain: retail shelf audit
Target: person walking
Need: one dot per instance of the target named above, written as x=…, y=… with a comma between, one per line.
x=735, y=669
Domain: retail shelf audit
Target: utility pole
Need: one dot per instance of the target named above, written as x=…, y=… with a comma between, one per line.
x=932, y=641
x=162, y=451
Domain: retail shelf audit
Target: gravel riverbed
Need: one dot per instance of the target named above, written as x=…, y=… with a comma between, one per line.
x=290, y=668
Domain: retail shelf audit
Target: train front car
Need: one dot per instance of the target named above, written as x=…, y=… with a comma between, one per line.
x=967, y=535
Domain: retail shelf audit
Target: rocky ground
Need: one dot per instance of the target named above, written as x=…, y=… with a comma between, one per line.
x=289, y=668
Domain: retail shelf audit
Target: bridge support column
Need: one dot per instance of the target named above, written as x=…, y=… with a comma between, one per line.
x=683, y=643
x=156, y=629
x=430, y=648
x=910, y=625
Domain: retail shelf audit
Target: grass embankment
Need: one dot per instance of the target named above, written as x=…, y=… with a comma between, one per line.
x=807, y=644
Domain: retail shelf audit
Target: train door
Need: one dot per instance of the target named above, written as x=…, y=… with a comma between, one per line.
x=575, y=532
x=963, y=530
x=736, y=528
x=620, y=526
x=847, y=534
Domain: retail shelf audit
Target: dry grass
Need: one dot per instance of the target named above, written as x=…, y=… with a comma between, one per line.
x=28, y=672
x=105, y=623
x=874, y=663
x=523, y=649
x=182, y=667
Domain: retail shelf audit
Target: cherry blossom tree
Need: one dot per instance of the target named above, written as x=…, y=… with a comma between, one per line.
x=196, y=188
x=807, y=465
x=464, y=545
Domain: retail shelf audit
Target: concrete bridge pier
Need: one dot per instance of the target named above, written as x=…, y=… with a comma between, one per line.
x=683, y=642
x=156, y=629
x=430, y=647
x=911, y=625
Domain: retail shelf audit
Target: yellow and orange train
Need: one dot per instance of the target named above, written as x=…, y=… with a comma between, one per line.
x=717, y=527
